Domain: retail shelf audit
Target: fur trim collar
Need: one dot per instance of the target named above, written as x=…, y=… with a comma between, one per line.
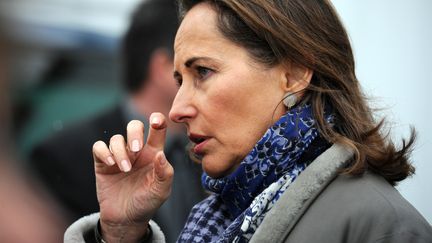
x=75, y=232
x=297, y=197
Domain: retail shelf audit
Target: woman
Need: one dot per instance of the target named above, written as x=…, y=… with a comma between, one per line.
x=269, y=96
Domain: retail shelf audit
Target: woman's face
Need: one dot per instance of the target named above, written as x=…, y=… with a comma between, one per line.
x=226, y=99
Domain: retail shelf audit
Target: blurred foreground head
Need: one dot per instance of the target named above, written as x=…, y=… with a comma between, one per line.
x=27, y=213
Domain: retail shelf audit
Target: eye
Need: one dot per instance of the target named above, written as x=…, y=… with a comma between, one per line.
x=203, y=72
x=178, y=78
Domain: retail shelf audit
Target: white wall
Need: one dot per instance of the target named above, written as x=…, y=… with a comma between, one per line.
x=392, y=41
x=107, y=17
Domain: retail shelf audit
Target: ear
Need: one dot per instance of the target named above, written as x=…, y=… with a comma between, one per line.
x=296, y=78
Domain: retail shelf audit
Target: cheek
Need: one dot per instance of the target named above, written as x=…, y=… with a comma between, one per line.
x=231, y=93
x=226, y=107
x=235, y=122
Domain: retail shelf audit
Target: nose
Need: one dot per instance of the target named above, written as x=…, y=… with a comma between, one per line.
x=182, y=109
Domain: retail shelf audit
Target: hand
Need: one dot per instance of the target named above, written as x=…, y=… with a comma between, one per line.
x=133, y=179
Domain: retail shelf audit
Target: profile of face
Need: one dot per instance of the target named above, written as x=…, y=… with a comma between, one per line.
x=226, y=99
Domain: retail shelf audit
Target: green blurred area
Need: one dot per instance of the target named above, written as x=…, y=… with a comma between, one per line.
x=90, y=85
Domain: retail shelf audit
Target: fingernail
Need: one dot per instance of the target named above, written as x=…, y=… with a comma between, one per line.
x=135, y=145
x=110, y=161
x=155, y=120
x=125, y=166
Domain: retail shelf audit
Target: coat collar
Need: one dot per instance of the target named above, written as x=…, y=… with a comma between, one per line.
x=279, y=221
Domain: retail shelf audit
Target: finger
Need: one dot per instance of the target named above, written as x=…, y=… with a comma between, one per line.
x=118, y=148
x=135, y=135
x=102, y=154
x=157, y=131
x=164, y=174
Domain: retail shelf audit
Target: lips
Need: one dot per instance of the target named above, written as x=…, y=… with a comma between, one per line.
x=199, y=141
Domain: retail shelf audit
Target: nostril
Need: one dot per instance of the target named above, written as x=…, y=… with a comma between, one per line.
x=176, y=116
x=181, y=119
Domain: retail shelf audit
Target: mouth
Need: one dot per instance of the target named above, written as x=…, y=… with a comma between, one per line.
x=199, y=141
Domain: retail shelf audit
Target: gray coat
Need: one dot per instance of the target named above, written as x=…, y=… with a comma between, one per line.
x=322, y=206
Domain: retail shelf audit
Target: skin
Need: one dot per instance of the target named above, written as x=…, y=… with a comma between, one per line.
x=224, y=95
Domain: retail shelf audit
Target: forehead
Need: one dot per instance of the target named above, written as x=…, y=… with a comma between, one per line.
x=198, y=34
x=199, y=22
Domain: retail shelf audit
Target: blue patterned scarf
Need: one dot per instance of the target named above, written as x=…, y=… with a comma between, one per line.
x=241, y=199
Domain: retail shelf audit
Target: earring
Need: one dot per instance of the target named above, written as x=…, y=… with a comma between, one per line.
x=290, y=99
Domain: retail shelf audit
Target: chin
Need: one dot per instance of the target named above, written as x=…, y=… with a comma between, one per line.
x=215, y=169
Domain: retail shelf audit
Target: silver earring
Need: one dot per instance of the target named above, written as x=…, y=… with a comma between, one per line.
x=290, y=99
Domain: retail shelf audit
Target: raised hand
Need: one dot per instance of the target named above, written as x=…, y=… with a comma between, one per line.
x=133, y=179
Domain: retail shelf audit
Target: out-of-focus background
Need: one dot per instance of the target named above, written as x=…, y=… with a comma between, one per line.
x=66, y=66
x=63, y=67
x=391, y=42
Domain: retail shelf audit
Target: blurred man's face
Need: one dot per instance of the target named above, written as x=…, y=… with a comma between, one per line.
x=162, y=66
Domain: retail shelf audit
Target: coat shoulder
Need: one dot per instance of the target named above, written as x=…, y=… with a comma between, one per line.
x=362, y=209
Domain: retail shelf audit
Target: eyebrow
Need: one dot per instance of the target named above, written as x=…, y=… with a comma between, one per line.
x=191, y=60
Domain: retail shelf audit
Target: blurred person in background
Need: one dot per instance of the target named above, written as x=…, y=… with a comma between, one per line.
x=27, y=213
x=64, y=161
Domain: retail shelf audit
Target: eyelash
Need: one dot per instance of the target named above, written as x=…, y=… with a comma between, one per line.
x=203, y=72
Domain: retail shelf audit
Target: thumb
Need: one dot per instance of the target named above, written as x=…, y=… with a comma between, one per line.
x=164, y=174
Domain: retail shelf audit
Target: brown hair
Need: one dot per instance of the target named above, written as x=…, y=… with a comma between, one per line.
x=309, y=33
